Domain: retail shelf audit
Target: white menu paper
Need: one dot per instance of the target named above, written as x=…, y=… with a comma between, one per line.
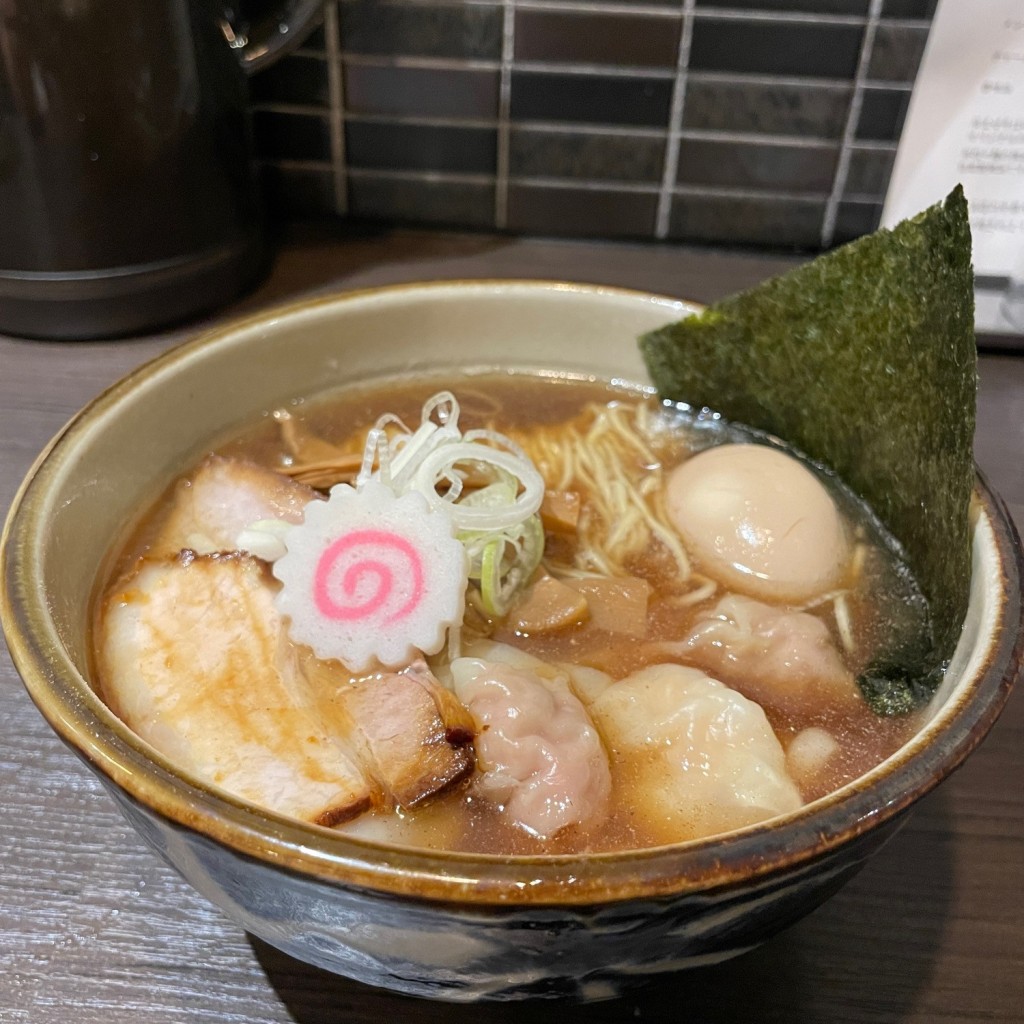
x=966, y=124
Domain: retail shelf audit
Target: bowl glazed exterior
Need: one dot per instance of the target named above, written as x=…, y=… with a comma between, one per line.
x=463, y=952
x=454, y=926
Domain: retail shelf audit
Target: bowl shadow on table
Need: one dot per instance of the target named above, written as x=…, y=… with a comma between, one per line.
x=868, y=951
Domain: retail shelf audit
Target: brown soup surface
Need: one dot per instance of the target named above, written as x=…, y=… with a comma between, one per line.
x=581, y=435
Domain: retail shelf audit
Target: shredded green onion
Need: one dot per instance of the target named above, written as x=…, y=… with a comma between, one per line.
x=481, y=480
x=497, y=523
x=490, y=576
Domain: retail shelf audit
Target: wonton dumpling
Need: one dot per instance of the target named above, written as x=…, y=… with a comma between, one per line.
x=758, y=521
x=776, y=656
x=585, y=682
x=699, y=758
x=538, y=754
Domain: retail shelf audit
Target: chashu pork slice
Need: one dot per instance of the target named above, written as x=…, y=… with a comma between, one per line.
x=192, y=656
x=413, y=735
x=224, y=496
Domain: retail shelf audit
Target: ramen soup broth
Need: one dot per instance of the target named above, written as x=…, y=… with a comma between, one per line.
x=827, y=741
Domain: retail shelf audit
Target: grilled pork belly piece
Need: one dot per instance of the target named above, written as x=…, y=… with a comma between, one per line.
x=412, y=735
x=211, y=508
x=193, y=655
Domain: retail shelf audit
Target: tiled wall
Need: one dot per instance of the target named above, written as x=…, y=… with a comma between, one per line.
x=759, y=122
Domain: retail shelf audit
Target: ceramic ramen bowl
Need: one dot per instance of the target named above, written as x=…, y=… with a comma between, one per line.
x=447, y=925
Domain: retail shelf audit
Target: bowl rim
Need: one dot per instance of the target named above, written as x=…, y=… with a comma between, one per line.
x=73, y=710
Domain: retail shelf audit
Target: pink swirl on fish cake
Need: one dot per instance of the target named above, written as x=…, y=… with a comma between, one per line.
x=367, y=555
x=371, y=578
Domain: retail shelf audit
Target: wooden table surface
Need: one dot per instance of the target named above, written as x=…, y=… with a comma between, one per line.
x=93, y=928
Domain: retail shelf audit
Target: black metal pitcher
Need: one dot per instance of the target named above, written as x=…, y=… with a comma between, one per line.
x=127, y=193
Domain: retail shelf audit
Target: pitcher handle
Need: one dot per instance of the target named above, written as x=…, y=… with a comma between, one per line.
x=267, y=36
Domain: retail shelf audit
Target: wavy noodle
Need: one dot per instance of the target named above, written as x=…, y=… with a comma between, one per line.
x=609, y=453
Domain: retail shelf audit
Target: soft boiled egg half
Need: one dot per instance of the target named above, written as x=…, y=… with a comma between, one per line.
x=758, y=521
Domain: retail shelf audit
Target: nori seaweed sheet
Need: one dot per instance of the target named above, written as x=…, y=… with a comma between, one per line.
x=865, y=359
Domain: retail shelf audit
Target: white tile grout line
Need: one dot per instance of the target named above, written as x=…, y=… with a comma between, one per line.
x=751, y=138
x=734, y=12
x=675, y=120
x=569, y=67
x=724, y=12
x=828, y=224
x=465, y=64
x=424, y=177
x=413, y=60
x=737, y=13
x=627, y=185
x=508, y=45
x=736, y=138
x=623, y=186
x=291, y=164
x=336, y=95
x=400, y=61
x=574, y=184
